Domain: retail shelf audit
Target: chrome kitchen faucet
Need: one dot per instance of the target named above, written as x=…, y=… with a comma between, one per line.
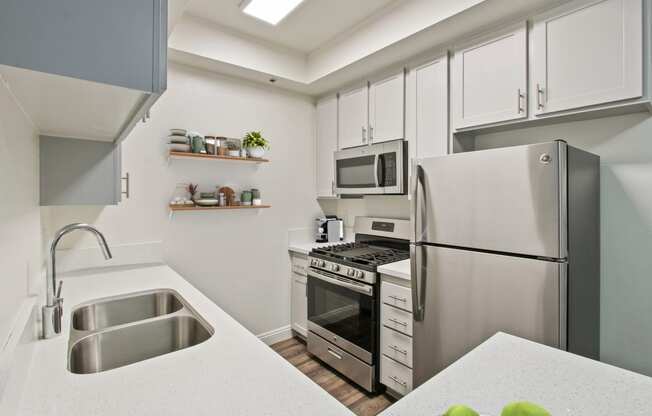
x=53, y=308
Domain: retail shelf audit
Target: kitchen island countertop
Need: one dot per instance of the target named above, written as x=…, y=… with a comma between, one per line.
x=505, y=368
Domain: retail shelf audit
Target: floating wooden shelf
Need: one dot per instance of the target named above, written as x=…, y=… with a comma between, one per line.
x=198, y=208
x=187, y=155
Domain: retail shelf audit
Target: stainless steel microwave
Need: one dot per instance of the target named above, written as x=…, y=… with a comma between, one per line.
x=376, y=169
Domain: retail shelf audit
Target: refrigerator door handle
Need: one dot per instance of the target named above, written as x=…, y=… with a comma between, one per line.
x=418, y=267
x=417, y=179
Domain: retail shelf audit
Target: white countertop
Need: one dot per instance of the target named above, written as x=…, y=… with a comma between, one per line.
x=506, y=369
x=305, y=247
x=232, y=373
x=399, y=269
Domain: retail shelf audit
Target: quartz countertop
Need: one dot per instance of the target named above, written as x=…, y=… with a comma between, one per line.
x=398, y=269
x=232, y=373
x=506, y=368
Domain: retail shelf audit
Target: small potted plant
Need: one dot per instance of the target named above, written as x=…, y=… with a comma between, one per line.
x=255, y=144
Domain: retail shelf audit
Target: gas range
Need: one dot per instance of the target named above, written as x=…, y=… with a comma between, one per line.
x=343, y=293
x=357, y=260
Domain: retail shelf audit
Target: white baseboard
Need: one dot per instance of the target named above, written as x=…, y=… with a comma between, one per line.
x=276, y=335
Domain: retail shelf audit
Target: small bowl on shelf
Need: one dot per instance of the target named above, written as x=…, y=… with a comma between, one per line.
x=206, y=202
x=234, y=153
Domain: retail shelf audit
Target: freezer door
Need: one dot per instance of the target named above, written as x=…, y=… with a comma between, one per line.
x=509, y=200
x=468, y=296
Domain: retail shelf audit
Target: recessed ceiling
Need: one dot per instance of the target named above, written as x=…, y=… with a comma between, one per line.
x=310, y=25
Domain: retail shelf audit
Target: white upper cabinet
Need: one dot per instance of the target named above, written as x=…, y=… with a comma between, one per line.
x=387, y=109
x=353, y=117
x=430, y=117
x=587, y=53
x=326, y=145
x=490, y=79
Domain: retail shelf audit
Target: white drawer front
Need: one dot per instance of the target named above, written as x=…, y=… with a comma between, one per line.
x=299, y=264
x=396, y=295
x=395, y=376
x=396, y=345
x=397, y=319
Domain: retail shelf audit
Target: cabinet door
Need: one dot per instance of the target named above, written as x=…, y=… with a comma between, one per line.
x=326, y=146
x=490, y=79
x=387, y=109
x=79, y=172
x=299, y=307
x=353, y=111
x=431, y=109
x=587, y=54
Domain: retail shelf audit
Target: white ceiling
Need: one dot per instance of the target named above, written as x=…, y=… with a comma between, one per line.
x=312, y=24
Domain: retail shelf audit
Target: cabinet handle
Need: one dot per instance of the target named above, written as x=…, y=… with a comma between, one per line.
x=398, y=322
x=396, y=298
x=364, y=134
x=520, y=97
x=371, y=133
x=398, y=381
x=397, y=349
x=126, y=192
x=539, y=97
x=332, y=187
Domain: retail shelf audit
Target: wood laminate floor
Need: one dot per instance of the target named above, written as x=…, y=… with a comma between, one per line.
x=355, y=398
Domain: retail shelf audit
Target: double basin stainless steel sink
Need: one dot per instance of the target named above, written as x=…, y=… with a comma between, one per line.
x=113, y=332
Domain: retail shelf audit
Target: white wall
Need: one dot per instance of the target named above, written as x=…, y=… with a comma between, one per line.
x=237, y=258
x=624, y=144
x=390, y=206
x=20, y=227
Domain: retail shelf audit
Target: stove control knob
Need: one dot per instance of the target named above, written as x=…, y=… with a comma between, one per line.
x=350, y=272
x=335, y=267
x=359, y=274
x=313, y=262
x=321, y=263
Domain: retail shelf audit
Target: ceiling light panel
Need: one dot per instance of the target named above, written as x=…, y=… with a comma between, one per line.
x=270, y=11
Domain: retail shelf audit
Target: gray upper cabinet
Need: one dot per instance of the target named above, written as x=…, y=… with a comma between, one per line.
x=79, y=172
x=102, y=63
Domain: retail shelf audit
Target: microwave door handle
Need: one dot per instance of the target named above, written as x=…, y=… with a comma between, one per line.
x=376, y=170
x=380, y=170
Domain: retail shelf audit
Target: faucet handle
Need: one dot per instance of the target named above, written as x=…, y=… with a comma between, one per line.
x=58, y=296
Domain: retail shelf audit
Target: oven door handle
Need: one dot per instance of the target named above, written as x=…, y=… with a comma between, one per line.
x=356, y=287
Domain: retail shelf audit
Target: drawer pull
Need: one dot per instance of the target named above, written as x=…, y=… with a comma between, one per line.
x=397, y=349
x=398, y=381
x=334, y=354
x=396, y=298
x=397, y=322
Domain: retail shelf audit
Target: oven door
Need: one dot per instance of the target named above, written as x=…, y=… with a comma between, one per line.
x=375, y=169
x=343, y=312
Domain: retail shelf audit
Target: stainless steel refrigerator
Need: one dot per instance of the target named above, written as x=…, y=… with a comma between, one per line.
x=505, y=240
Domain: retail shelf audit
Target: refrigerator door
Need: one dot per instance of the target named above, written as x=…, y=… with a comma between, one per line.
x=468, y=296
x=510, y=200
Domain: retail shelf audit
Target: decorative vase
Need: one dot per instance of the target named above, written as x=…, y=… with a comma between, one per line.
x=256, y=152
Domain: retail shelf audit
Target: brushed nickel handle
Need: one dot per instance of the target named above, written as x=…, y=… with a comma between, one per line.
x=371, y=132
x=397, y=322
x=539, y=97
x=126, y=192
x=398, y=350
x=334, y=354
x=520, y=98
x=364, y=134
x=398, y=381
x=396, y=298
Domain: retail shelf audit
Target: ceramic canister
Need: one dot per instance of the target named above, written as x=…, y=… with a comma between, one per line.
x=245, y=198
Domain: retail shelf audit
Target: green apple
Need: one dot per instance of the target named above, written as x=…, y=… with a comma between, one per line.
x=460, y=410
x=524, y=409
